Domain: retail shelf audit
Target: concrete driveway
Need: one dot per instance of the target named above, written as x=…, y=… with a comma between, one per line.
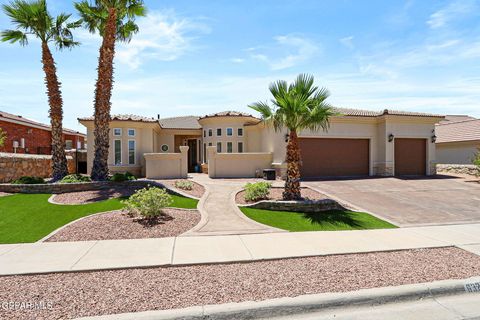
x=407, y=202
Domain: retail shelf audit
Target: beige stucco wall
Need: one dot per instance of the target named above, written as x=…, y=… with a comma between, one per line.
x=166, y=165
x=457, y=152
x=236, y=165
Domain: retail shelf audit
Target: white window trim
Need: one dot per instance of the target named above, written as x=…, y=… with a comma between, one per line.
x=117, y=135
x=241, y=134
x=210, y=130
x=114, y=155
x=226, y=132
x=216, y=131
x=221, y=147
x=227, y=146
x=134, y=132
x=134, y=151
x=161, y=148
x=243, y=149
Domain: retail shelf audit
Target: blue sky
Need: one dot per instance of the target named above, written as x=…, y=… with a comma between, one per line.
x=197, y=57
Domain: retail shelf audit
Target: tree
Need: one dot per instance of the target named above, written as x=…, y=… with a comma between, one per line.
x=3, y=137
x=33, y=19
x=296, y=107
x=114, y=20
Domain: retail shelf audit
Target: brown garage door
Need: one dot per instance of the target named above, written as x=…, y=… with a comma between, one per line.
x=410, y=156
x=322, y=157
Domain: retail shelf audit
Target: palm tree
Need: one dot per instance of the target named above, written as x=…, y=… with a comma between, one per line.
x=3, y=137
x=114, y=20
x=297, y=106
x=33, y=19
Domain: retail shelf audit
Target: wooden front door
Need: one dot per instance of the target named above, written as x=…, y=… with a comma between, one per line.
x=192, y=154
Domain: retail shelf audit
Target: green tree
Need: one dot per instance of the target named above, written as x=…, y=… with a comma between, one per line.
x=32, y=19
x=476, y=160
x=114, y=20
x=3, y=137
x=298, y=106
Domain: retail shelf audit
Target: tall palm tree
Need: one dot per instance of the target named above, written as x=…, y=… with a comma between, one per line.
x=31, y=18
x=297, y=106
x=114, y=20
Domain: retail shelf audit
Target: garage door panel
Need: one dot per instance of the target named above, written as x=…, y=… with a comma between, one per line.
x=322, y=157
x=410, y=156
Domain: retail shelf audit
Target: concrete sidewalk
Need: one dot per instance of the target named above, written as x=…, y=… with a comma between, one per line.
x=113, y=254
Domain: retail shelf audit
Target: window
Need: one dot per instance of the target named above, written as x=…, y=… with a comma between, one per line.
x=219, y=132
x=205, y=152
x=131, y=132
x=117, y=132
x=219, y=147
x=229, y=147
x=240, y=147
x=164, y=147
x=210, y=133
x=68, y=144
x=209, y=144
x=240, y=132
x=118, y=151
x=131, y=151
x=229, y=132
x=204, y=133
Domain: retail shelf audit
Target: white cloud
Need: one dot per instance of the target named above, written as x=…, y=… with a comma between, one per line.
x=347, y=42
x=237, y=60
x=455, y=10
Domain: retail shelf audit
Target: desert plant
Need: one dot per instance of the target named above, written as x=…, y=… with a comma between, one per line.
x=32, y=19
x=148, y=203
x=476, y=161
x=184, y=184
x=114, y=20
x=257, y=191
x=298, y=106
x=3, y=137
x=28, y=180
x=121, y=177
x=75, y=178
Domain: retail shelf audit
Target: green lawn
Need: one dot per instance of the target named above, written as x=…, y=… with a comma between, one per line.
x=30, y=217
x=325, y=221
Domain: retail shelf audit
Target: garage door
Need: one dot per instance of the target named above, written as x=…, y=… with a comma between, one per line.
x=322, y=157
x=410, y=156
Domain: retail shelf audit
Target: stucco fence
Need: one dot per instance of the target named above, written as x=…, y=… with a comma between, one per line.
x=166, y=165
x=237, y=165
x=15, y=165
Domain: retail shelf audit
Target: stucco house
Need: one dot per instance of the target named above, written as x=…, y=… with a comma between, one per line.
x=458, y=139
x=235, y=144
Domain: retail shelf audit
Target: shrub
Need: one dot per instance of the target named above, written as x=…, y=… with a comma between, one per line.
x=184, y=184
x=476, y=160
x=28, y=180
x=148, y=203
x=75, y=178
x=257, y=191
x=120, y=177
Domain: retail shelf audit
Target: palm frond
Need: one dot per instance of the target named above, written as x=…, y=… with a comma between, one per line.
x=13, y=36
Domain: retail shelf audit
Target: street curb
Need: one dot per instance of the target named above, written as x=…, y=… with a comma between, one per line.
x=303, y=304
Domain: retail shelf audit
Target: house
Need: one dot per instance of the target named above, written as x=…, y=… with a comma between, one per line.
x=27, y=136
x=458, y=139
x=235, y=144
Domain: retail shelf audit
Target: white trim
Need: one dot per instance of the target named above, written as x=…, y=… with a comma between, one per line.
x=117, y=135
x=242, y=132
x=134, y=151
x=161, y=147
x=221, y=147
x=243, y=147
x=114, y=153
x=227, y=146
x=134, y=132
x=226, y=132
x=210, y=130
x=216, y=132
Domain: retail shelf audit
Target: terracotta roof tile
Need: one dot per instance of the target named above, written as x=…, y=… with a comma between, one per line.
x=467, y=130
x=228, y=114
x=368, y=113
x=124, y=117
x=186, y=122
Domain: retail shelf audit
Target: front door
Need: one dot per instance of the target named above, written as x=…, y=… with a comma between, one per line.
x=192, y=154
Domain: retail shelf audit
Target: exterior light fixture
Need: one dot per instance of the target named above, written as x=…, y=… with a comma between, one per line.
x=286, y=137
x=390, y=137
x=434, y=138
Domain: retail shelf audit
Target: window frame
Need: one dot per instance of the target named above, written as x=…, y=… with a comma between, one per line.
x=219, y=135
x=117, y=135
x=230, y=143
x=239, y=143
x=210, y=132
x=164, y=145
x=115, y=152
x=219, y=144
x=204, y=133
x=66, y=144
x=238, y=132
x=134, y=132
x=134, y=151
x=231, y=130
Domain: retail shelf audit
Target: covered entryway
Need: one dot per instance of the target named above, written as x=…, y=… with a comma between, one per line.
x=410, y=157
x=327, y=157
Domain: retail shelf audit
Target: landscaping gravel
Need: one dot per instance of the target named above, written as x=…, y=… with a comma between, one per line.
x=118, y=225
x=3, y=194
x=197, y=191
x=276, y=194
x=133, y=290
x=82, y=197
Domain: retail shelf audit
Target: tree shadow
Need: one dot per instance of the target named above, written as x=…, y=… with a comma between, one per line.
x=333, y=217
x=154, y=221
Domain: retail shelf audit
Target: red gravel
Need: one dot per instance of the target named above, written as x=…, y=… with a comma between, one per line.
x=133, y=290
x=94, y=195
x=276, y=194
x=197, y=191
x=118, y=225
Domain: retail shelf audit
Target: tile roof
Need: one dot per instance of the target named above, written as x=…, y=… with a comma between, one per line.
x=186, y=122
x=450, y=118
x=124, y=117
x=28, y=122
x=368, y=113
x=467, y=130
x=229, y=114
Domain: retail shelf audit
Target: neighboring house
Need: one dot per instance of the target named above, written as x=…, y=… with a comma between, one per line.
x=234, y=144
x=458, y=139
x=28, y=136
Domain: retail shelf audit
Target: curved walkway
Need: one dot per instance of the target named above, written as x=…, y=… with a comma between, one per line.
x=220, y=214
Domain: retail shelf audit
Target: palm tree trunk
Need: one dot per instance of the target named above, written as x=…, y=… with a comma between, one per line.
x=103, y=93
x=59, y=160
x=292, y=183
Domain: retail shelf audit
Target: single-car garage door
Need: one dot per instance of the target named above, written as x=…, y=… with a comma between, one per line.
x=324, y=157
x=410, y=157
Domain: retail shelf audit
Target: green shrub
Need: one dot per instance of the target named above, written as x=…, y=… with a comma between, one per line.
x=75, y=178
x=257, y=191
x=120, y=177
x=476, y=160
x=148, y=203
x=184, y=184
x=28, y=180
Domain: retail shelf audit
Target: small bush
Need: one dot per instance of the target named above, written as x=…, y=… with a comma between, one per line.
x=257, y=191
x=120, y=177
x=28, y=180
x=75, y=178
x=148, y=203
x=184, y=184
x=476, y=160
